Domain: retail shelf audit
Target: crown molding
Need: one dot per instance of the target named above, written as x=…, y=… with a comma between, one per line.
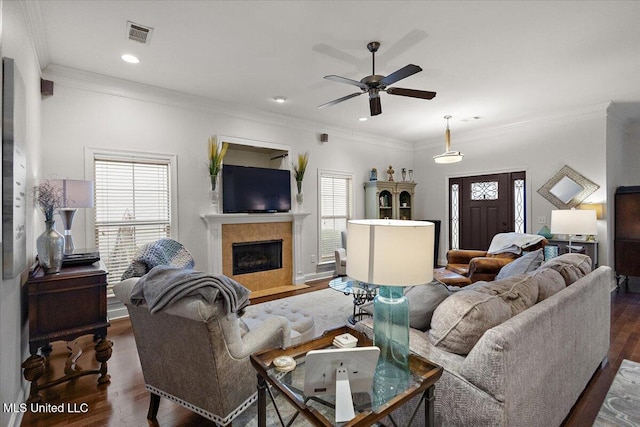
x=588, y=112
x=99, y=83
x=35, y=27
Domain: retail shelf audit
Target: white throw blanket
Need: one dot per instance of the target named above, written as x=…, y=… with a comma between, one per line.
x=512, y=242
x=164, y=284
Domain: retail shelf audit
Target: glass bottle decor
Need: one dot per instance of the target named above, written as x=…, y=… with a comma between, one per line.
x=50, y=247
x=299, y=196
x=215, y=193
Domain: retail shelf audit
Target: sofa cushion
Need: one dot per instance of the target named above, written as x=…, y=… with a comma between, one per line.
x=550, y=282
x=461, y=319
x=571, y=266
x=520, y=292
x=522, y=265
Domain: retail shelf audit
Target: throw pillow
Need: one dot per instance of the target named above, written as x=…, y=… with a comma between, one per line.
x=551, y=282
x=520, y=292
x=461, y=320
x=571, y=266
x=522, y=265
x=423, y=301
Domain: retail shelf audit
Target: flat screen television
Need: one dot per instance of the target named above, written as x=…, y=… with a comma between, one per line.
x=253, y=190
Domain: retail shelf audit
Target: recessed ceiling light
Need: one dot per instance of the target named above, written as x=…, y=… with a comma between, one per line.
x=363, y=119
x=130, y=58
x=280, y=99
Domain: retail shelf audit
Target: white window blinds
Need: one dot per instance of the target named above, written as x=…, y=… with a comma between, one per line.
x=132, y=203
x=336, y=208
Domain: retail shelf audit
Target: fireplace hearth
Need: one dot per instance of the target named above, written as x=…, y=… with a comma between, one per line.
x=252, y=257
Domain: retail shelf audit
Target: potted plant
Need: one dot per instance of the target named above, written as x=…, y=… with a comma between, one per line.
x=300, y=168
x=50, y=244
x=216, y=155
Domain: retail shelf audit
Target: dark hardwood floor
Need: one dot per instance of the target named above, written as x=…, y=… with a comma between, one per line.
x=124, y=402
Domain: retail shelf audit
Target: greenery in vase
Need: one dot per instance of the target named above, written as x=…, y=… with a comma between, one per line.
x=49, y=198
x=300, y=168
x=216, y=154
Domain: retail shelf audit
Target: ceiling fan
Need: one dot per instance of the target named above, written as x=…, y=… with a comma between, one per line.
x=374, y=84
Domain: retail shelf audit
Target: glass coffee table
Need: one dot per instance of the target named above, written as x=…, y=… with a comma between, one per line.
x=320, y=410
x=362, y=293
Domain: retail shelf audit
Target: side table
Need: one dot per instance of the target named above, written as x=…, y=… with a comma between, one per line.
x=362, y=293
x=422, y=378
x=65, y=306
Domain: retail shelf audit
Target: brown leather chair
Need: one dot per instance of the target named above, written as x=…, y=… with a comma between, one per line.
x=475, y=265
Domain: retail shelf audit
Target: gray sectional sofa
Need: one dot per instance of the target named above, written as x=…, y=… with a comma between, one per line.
x=518, y=351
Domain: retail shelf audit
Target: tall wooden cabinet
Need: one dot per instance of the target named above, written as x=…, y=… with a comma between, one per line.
x=627, y=231
x=389, y=199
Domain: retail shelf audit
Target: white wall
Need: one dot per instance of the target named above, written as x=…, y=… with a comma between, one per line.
x=540, y=147
x=13, y=322
x=633, y=155
x=120, y=115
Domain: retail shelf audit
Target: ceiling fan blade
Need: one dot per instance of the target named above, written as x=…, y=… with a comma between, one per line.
x=424, y=94
x=347, y=81
x=375, y=106
x=402, y=73
x=335, y=101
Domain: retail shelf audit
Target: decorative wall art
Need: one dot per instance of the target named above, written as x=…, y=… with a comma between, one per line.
x=14, y=171
x=567, y=188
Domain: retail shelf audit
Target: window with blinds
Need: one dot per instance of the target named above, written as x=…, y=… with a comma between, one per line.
x=132, y=207
x=336, y=208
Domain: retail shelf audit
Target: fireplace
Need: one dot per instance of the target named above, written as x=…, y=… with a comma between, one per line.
x=252, y=257
x=226, y=229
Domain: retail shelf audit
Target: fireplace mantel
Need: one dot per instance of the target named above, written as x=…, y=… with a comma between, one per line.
x=214, y=224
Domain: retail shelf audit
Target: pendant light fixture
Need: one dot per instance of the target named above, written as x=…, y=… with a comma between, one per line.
x=448, y=156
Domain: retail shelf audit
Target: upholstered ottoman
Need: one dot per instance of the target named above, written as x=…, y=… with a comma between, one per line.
x=302, y=323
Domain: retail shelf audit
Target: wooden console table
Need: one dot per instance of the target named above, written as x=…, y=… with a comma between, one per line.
x=65, y=306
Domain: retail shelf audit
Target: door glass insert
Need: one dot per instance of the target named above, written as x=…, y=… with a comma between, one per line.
x=455, y=215
x=484, y=190
x=518, y=205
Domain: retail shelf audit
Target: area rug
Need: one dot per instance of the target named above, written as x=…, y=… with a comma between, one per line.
x=621, y=406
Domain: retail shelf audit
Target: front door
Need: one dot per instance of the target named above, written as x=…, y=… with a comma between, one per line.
x=483, y=206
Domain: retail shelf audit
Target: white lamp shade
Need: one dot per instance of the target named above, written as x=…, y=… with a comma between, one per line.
x=75, y=193
x=390, y=252
x=573, y=221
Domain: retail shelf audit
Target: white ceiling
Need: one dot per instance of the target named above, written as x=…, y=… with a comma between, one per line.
x=504, y=61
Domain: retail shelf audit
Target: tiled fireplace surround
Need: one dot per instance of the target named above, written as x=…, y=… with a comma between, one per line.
x=226, y=229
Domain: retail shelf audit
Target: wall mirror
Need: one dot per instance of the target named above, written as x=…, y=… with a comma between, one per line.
x=567, y=188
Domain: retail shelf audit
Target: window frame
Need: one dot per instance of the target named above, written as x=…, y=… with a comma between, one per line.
x=351, y=204
x=92, y=154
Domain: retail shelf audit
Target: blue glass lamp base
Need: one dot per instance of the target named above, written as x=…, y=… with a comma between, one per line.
x=391, y=335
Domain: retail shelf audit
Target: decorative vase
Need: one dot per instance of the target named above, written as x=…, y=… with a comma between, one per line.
x=299, y=200
x=404, y=174
x=410, y=175
x=50, y=246
x=215, y=193
x=299, y=184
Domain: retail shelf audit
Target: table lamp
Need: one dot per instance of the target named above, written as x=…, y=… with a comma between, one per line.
x=391, y=254
x=573, y=222
x=75, y=194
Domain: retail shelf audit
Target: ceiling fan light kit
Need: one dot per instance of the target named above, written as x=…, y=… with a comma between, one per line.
x=375, y=83
x=448, y=156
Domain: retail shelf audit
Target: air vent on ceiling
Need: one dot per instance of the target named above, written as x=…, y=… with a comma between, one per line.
x=138, y=33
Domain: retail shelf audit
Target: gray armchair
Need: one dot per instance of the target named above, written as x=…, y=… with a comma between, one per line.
x=341, y=256
x=196, y=355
